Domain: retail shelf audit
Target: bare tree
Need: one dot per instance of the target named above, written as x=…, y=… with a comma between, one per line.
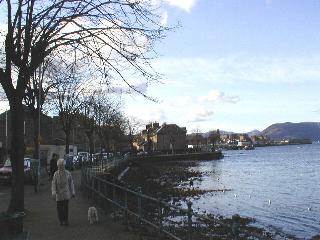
x=214, y=137
x=114, y=133
x=133, y=127
x=98, y=112
x=109, y=121
x=36, y=93
x=87, y=119
x=114, y=35
x=198, y=137
x=67, y=96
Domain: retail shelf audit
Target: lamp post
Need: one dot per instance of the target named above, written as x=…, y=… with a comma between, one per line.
x=171, y=143
x=39, y=117
x=74, y=134
x=38, y=169
x=6, y=154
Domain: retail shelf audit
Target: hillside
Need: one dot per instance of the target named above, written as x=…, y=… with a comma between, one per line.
x=288, y=130
x=254, y=133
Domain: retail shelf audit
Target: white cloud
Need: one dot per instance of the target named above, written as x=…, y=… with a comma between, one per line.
x=183, y=4
x=218, y=96
x=241, y=68
x=148, y=112
x=268, y=3
x=121, y=88
x=164, y=19
x=199, y=114
x=179, y=102
x=4, y=105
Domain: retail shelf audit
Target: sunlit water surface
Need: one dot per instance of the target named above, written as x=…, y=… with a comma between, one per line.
x=278, y=186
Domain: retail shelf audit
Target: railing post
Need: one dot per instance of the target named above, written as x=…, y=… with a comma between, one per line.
x=99, y=191
x=92, y=188
x=89, y=183
x=211, y=236
x=114, y=198
x=140, y=211
x=81, y=180
x=105, y=194
x=101, y=163
x=160, y=218
x=86, y=182
x=189, y=220
x=126, y=221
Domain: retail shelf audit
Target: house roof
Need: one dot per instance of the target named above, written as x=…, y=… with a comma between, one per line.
x=171, y=129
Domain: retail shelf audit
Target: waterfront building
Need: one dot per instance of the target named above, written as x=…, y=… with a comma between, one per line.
x=167, y=138
x=171, y=137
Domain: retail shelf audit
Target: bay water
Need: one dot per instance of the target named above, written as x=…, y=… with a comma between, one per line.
x=279, y=186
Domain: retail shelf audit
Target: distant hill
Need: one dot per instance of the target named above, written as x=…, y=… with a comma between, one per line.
x=207, y=134
x=254, y=133
x=288, y=130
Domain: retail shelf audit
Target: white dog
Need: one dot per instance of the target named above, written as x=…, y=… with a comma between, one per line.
x=93, y=215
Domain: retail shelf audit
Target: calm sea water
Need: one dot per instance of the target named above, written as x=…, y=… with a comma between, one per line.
x=288, y=176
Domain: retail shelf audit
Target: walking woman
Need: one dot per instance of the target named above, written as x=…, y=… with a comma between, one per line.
x=62, y=191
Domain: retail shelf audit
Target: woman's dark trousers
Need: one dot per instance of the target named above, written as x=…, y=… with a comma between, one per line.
x=62, y=207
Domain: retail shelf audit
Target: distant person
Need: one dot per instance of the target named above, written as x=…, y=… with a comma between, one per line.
x=53, y=165
x=79, y=161
x=2, y=155
x=191, y=184
x=69, y=163
x=62, y=190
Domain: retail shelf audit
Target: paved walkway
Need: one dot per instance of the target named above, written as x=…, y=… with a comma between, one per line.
x=42, y=223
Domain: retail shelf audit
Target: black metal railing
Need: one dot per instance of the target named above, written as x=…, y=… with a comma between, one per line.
x=164, y=219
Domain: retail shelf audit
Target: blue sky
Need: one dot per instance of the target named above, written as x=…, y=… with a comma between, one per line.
x=236, y=65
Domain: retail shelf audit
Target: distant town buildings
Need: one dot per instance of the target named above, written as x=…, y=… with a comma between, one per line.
x=51, y=133
x=164, y=138
x=155, y=138
x=46, y=129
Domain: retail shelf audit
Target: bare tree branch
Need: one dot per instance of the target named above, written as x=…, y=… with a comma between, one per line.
x=114, y=37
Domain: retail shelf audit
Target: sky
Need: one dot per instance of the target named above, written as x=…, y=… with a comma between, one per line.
x=236, y=65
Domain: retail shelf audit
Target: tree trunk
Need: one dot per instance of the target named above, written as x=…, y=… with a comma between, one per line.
x=102, y=141
x=36, y=143
x=67, y=141
x=91, y=143
x=17, y=153
x=131, y=142
x=106, y=143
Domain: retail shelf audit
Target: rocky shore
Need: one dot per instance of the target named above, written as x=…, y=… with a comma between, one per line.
x=174, y=182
